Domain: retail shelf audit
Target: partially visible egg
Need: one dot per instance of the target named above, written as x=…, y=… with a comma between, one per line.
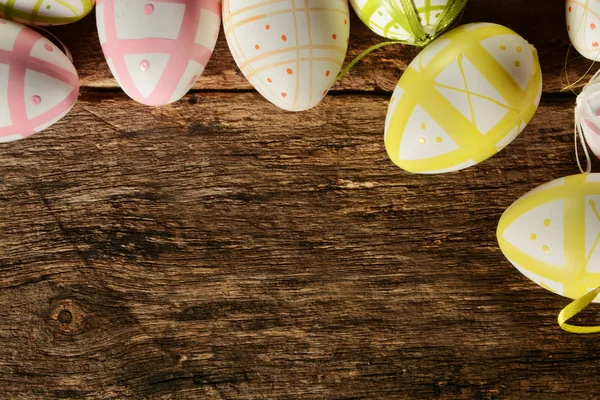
x=45, y=12
x=38, y=83
x=291, y=52
x=587, y=114
x=552, y=235
x=583, y=25
x=157, y=50
x=388, y=18
x=464, y=98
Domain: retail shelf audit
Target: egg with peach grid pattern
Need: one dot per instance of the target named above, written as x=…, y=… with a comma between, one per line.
x=583, y=25
x=156, y=50
x=45, y=12
x=38, y=83
x=290, y=51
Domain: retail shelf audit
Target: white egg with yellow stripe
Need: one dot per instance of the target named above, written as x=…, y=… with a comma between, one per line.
x=552, y=235
x=45, y=12
x=464, y=98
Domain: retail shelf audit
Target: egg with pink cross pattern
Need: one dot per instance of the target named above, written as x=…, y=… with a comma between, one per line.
x=157, y=49
x=290, y=50
x=38, y=83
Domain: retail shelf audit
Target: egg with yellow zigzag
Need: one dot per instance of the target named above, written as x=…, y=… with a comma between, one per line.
x=464, y=98
x=551, y=235
x=45, y=12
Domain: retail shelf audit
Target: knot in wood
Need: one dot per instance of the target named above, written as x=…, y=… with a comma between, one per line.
x=68, y=317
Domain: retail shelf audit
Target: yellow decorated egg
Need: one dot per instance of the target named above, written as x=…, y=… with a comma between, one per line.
x=552, y=235
x=45, y=12
x=464, y=98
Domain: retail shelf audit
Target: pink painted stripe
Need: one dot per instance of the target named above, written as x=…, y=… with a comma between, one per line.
x=42, y=66
x=126, y=47
x=180, y=58
x=593, y=127
x=19, y=62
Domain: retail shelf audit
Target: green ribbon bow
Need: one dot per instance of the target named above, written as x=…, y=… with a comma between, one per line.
x=450, y=14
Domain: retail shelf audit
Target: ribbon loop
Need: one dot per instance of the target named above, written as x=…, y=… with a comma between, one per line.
x=575, y=308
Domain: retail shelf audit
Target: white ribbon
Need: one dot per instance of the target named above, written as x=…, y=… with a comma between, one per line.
x=583, y=113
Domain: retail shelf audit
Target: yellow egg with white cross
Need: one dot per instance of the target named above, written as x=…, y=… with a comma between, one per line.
x=464, y=98
x=552, y=235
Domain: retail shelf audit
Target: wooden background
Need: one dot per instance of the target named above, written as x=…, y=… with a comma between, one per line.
x=220, y=248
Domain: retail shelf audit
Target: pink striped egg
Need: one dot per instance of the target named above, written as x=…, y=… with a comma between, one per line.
x=38, y=83
x=290, y=51
x=156, y=50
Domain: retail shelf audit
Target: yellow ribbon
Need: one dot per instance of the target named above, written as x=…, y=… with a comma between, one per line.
x=575, y=308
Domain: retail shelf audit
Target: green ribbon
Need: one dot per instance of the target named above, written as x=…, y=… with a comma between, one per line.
x=451, y=13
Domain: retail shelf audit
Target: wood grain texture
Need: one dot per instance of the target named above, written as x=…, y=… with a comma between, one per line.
x=219, y=248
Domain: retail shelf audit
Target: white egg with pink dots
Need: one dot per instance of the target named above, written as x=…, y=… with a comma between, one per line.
x=38, y=82
x=290, y=51
x=156, y=50
x=583, y=25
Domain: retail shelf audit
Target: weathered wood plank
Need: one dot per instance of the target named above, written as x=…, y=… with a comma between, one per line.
x=542, y=22
x=221, y=249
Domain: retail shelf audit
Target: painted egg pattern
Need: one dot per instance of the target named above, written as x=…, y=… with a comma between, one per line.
x=38, y=83
x=387, y=18
x=588, y=112
x=290, y=51
x=583, y=25
x=552, y=235
x=45, y=12
x=464, y=98
x=156, y=50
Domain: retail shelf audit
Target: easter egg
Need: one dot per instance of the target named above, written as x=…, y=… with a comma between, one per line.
x=45, y=12
x=583, y=25
x=587, y=114
x=389, y=19
x=552, y=235
x=38, y=83
x=464, y=98
x=157, y=50
x=290, y=54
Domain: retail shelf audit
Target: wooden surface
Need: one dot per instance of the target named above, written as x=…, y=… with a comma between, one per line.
x=221, y=249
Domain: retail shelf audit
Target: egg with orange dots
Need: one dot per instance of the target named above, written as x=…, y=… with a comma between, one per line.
x=291, y=55
x=583, y=25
